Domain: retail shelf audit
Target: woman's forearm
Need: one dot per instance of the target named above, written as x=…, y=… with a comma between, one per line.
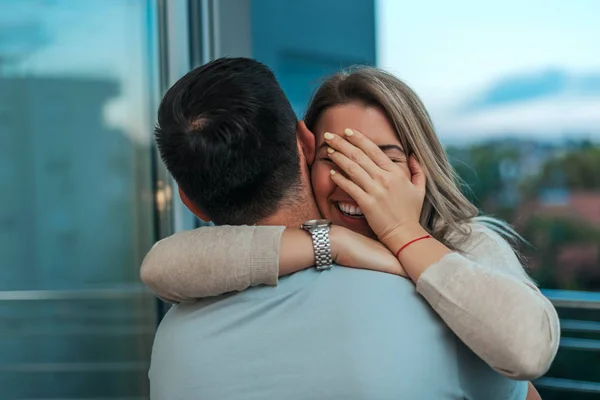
x=505, y=320
x=211, y=261
x=295, y=251
x=418, y=256
x=494, y=306
x=486, y=298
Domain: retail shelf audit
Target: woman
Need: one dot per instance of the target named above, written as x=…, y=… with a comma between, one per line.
x=370, y=130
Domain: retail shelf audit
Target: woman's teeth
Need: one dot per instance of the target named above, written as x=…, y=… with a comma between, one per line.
x=350, y=210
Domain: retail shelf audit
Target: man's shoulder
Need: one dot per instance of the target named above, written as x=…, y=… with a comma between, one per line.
x=315, y=286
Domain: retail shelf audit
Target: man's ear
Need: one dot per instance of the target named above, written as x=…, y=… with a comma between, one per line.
x=192, y=207
x=307, y=142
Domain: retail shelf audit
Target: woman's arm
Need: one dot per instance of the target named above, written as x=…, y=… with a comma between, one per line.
x=486, y=298
x=489, y=302
x=211, y=261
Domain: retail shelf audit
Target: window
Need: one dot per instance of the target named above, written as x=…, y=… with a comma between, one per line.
x=514, y=91
x=76, y=213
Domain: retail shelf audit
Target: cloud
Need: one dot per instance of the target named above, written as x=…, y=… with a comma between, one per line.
x=536, y=85
x=558, y=117
x=544, y=104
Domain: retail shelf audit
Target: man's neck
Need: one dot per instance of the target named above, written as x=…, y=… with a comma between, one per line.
x=295, y=212
x=290, y=218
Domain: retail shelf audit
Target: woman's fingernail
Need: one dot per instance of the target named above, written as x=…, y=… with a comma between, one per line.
x=330, y=150
x=328, y=136
x=348, y=132
x=332, y=172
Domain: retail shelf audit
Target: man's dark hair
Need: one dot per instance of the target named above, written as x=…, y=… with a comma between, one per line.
x=227, y=134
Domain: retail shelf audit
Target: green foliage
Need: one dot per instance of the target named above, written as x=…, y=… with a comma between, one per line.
x=573, y=168
x=479, y=167
x=577, y=170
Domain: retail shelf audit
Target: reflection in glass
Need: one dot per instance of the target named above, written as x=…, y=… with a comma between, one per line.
x=76, y=205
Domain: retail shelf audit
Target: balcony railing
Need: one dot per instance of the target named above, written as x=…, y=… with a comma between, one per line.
x=562, y=299
x=70, y=343
x=566, y=299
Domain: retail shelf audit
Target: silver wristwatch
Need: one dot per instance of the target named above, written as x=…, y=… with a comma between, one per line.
x=319, y=230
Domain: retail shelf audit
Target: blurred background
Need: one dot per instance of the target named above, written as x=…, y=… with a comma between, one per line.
x=513, y=88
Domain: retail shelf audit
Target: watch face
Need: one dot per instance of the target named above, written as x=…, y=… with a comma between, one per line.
x=313, y=223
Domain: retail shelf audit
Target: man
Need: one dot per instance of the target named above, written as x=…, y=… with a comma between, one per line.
x=231, y=140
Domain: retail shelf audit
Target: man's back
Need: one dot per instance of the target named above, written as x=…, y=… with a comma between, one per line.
x=338, y=334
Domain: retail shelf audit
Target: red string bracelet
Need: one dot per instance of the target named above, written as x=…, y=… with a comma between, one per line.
x=411, y=242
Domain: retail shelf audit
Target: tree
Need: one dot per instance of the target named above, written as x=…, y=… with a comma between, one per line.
x=578, y=169
x=480, y=169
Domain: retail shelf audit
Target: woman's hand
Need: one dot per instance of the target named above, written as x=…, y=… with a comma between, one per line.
x=390, y=199
x=354, y=250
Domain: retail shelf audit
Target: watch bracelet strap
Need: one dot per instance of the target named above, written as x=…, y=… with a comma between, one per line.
x=322, y=247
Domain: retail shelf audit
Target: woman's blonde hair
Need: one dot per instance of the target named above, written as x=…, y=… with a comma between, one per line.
x=446, y=212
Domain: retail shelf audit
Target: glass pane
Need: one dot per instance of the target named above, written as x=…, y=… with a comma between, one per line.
x=339, y=36
x=514, y=90
x=76, y=212
x=275, y=33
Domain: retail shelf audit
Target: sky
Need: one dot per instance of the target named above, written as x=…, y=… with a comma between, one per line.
x=453, y=52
